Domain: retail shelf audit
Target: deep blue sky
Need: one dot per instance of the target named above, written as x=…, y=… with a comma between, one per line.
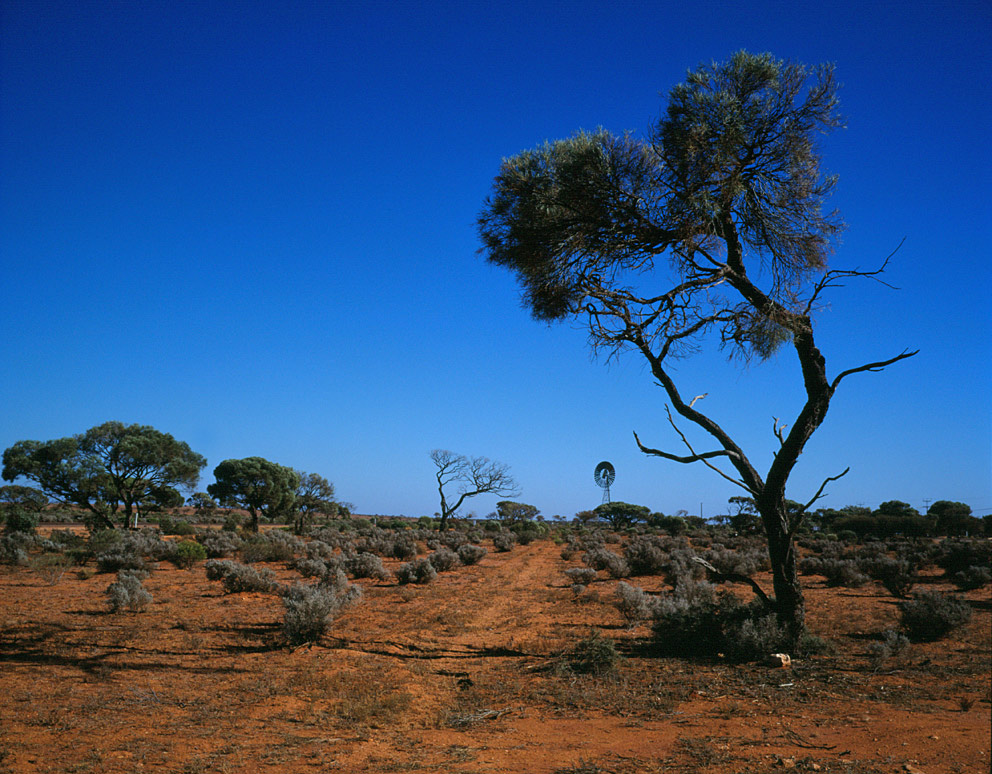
x=251, y=225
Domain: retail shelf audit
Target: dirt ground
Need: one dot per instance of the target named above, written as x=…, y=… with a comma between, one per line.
x=460, y=676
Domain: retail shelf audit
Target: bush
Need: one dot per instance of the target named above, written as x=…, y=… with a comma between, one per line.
x=444, y=559
x=696, y=621
x=242, y=577
x=958, y=555
x=218, y=568
x=120, y=557
x=272, y=547
x=169, y=526
x=594, y=654
x=896, y=575
x=219, y=544
x=972, y=578
x=645, y=557
x=311, y=609
x=187, y=554
x=931, y=615
x=504, y=541
x=366, y=565
x=634, y=603
x=310, y=568
x=843, y=572
x=581, y=575
x=13, y=549
x=470, y=553
x=893, y=643
x=600, y=558
x=128, y=593
x=20, y=520
x=417, y=571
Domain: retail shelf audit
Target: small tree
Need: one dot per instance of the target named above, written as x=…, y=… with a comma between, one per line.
x=110, y=470
x=954, y=518
x=314, y=494
x=621, y=515
x=264, y=489
x=21, y=507
x=727, y=192
x=511, y=513
x=470, y=476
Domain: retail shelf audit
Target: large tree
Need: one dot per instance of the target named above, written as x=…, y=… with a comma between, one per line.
x=110, y=470
x=469, y=476
x=710, y=230
x=264, y=489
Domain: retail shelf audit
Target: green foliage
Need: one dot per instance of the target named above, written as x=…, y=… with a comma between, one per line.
x=510, y=512
x=187, y=553
x=314, y=496
x=265, y=489
x=595, y=654
x=621, y=515
x=954, y=518
x=110, y=470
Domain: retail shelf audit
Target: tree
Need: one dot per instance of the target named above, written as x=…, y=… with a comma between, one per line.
x=470, y=476
x=110, y=470
x=264, y=489
x=621, y=515
x=21, y=507
x=727, y=193
x=510, y=512
x=314, y=494
x=954, y=518
x=744, y=518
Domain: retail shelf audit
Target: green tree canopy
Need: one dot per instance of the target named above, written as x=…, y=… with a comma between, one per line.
x=110, y=470
x=264, y=489
x=510, y=512
x=620, y=514
x=314, y=494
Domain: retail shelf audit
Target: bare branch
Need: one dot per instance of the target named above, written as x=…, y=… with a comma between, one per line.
x=694, y=457
x=873, y=367
x=830, y=278
x=798, y=520
x=778, y=429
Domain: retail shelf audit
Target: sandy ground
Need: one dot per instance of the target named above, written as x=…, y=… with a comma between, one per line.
x=460, y=675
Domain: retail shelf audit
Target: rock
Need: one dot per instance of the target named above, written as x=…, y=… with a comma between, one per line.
x=787, y=763
x=780, y=660
x=909, y=768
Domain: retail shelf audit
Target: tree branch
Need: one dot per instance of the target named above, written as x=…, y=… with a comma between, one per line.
x=873, y=367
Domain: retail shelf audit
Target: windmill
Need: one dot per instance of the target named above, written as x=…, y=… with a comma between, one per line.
x=604, y=476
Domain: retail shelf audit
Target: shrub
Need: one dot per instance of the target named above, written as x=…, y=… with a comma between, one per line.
x=958, y=555
x=52, y=567
x=20, y=520
x=896, y=575
x=242, y=577
x=843, y=572
x=504, y=541
x=13, y=549
x=128, y=593
x=366, y=565
x=310, y=568
x=645, y=557
x=930, y=615
x=581, y=575
x=187, y=554
x=634, y=603
x=218, y=568
x=600, y=558
x=972, y=578
x=271, y=547
x=311, y=609
x=403, y=546
x=417, y=571
x=180, y=527
x=594, y=654
x=470, y=553
x=444, y=559
x=120, y=557
x=218, y=544
x=893, y=643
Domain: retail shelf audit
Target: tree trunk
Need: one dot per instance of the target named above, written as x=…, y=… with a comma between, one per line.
x=790, y=605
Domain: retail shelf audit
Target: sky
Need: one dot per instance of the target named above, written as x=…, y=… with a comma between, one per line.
x=251, y=225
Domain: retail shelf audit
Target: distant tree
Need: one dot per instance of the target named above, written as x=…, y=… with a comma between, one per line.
x=314, y=495
x=727, y=190
x=744, y=516
x=264, y=489
x=954, y=518
x=895, y=508
x=510, y=512
x=673, y=525
x=109, y=470
x=470, y=476
x=204, y=504
x=621, y=515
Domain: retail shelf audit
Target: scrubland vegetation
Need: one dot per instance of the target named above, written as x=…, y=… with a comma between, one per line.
x=446, y=646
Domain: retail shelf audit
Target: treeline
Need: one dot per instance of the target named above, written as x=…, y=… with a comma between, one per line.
x=114, y=474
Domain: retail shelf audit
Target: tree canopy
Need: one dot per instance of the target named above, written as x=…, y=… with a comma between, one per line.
x=713, y=227
x=264, y=489
x=110, y=470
